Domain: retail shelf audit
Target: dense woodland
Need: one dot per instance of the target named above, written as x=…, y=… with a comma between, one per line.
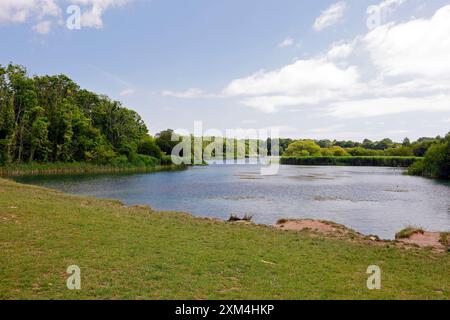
x=51, y=119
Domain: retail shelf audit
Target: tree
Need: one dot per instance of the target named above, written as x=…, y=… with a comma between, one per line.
x=437, y=160
x=368, y=144
x=7, y=119
x=324, y=143
x=147, y=146
x=302, y=148
x=164, y=141
x=406, y=142
x=39, y=143
x=337, y=151
x=421, y=146
x=384, y=144
x=436, y=163
x=49, y=118
x=399, y=152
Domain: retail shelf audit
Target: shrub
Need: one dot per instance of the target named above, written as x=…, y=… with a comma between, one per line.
x=302, y=148
x=148, y=147
x=351, y=161
x=119, y=161
x=166, y=160
x=338, y=151
x=363, y=152
x=102, y=154
x=399, y=152
x=145, y=161
x=408, y=232
x=436, y=163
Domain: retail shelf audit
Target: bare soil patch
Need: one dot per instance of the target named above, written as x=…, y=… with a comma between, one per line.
x=424, y=240
x=419, y=238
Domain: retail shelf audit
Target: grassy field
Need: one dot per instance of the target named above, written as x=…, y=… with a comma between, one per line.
x=136, y=253
x=382, y=161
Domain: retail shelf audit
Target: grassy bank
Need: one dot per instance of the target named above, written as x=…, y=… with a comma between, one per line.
x=77, y=168
x=351, y=161
x=136, y=253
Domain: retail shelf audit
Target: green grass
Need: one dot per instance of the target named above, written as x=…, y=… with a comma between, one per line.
x=445, y=239
x=136, y=253
x=34, y=168
x=408, y=232
x=379, y=161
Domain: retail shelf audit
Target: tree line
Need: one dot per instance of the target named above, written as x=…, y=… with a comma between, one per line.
x=428, y=157
x=51, y=119
x=384, y=147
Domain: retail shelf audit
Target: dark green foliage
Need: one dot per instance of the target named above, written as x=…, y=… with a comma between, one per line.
x=148, y=146
x=436, y=163
x=164, y=141
x=351, y=161
x=50, y=119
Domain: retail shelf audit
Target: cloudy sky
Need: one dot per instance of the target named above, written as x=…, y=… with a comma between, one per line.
x=350, y=69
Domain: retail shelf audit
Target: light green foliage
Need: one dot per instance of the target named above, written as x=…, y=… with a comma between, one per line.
x=351, y=161
x=302, y=148
x=369, y=152
x=335, y=151
x=361, y=152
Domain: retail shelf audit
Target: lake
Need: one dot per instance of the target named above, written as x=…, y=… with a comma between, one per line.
x=371, y=200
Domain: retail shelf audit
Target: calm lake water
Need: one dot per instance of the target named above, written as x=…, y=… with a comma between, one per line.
x=370, y=200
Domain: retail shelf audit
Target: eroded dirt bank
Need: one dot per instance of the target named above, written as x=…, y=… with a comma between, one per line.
x=438, y=241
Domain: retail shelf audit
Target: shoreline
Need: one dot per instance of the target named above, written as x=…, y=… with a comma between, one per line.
x=99, y=170
x=322, y=227
x=80, y=168
x=434, y=240
x=135, y=252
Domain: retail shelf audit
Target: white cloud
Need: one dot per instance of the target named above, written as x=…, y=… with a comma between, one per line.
x=389, y=5
x=188, y=94
x=39, y=11
x=49, y=8
x=93, y=16
x=420, y=47
x=340, y=51
x=330, y=16
x=270, y=104
x=395, y=68
x=303, y=82
x=19, y=11
x=385, y=106
x=43, y=27
x=300, y=77
x=286, y=43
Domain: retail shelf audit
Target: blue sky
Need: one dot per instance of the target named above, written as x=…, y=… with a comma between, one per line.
x=310, y=68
